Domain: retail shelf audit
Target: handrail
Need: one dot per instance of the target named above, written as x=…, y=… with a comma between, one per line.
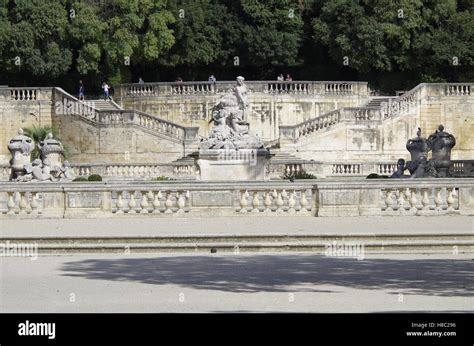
x=121, y=116
x=395, y=106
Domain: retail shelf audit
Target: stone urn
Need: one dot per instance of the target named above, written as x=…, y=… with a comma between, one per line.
x=441, y=143
x=52, y=152
x=20, y=148
x=418, y=148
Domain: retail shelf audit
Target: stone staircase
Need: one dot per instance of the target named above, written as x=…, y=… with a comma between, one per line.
x=402, y=242
x=105, y=105
x=376, y=102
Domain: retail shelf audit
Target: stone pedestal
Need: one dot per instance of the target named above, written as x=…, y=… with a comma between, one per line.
x=232, y=164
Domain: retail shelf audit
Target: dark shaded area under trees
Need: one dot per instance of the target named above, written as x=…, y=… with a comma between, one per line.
x=392, y=44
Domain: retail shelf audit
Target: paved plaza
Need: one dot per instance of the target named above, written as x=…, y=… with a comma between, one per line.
x=272, y=282
x=229, y=282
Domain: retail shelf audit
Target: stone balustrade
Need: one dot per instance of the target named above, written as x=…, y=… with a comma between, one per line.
x=68, y=104
x=150, y=201
x=268, y=87
x=289, y=88
x=346, y=169
x=386, y=168
x=420, y=201
x=389, y=197
x=147, y=171
x=26, y=94
x=458, y=89
x=330, y=197
x=293, y=201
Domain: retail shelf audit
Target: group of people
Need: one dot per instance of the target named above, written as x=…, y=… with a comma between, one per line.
x=288, y=78
x=105, y=87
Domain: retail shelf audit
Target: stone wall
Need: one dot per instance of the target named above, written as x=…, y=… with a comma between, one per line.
x=22, y=108
x=369, y=135
x=409, y=197
x=272, y=104
x=294, y=113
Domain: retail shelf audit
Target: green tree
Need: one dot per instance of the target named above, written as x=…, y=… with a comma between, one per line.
x=271, y=31
x=37, y=41
x=137, y=31
x=200, y=32
x=386, y=36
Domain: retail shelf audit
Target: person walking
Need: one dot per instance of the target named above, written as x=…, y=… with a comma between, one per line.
x=141, y=81
x=106, y=88
x=81, y=90
x=212, y=79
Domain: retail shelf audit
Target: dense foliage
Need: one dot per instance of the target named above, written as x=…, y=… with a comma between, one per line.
x=393, y=44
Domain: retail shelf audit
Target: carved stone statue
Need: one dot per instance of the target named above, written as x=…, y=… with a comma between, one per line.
x=20, y=148
x=399, y=173
x=48, y=168
x=231, y=130
x=418, y=148
x=37, y=171
x=51, y=150
x=441, y=143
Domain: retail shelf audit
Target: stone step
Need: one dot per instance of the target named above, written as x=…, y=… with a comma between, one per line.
x=105, y=105
x=377, y=102
x=465, y=236
x=411, y=243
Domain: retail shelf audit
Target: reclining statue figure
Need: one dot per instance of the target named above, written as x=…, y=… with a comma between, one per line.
x=231, y=130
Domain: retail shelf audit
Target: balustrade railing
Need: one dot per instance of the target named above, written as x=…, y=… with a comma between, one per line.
x=427, y=197
x=419, y=201
x=24, y=94
x=346, y=169
x=292, y=87
x=150, y=201
x=458, y=89
x=68, y=104
x=268, y=87
x=291, y=201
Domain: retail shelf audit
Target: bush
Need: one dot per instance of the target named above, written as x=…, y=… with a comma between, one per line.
x=94, y=177
x=376, y=176
x=38, y=134
x=162, y=178
x=80, y=179
x=302, y=174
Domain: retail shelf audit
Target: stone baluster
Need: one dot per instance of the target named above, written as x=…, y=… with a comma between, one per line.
x=425, y=201
x=244, y=201
x=11, y=205
x=292, y=203
x=156, y=202
x=34, y=203
x=23, y=204
x=256, y=202
x=401, y=201
x=413, y=201
x=389, y=200
x=119, y=203
x=181, y=202
x=279, y=202
x=450, y=199
x=169, y=203
x=267, y=202
x=144, y=203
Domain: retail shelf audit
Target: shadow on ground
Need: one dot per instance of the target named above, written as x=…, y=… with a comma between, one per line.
x=275, y=273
